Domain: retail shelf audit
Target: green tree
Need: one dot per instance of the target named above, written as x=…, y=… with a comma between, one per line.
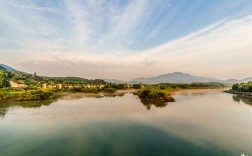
x=4, y=82
x=136, y=86
x=235, y=86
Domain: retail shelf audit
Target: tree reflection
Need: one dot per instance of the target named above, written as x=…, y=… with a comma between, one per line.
x=2, y=113
x=240, y=98
x=73, y=96
x=148, y=103
x=114, y=94
x=4, y=106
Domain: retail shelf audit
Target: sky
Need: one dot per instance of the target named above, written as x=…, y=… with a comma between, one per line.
x=126, y=39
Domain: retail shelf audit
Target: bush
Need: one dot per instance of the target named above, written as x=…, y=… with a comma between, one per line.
x=136, y=86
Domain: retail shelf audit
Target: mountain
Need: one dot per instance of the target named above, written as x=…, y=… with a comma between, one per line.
x=113, y=81
x=233, y=81
x=176, y=77
x=247, y=79
x=8, y=68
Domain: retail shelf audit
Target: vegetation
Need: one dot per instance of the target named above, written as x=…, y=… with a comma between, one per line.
x=159, y=93
x=153, y=93
x=243, y=90
x=174, y=86
x=73, y=80
x=109, y=90
x=26, y=87
x=136, y=86
x=4, y=82
x=242, y=87
x=26, y=95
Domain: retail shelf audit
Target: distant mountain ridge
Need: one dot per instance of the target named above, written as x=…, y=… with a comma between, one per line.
x=176, y=77
x=114, y=81
x=233, y=81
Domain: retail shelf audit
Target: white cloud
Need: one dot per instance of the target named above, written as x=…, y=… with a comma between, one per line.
x=220, y=50
x=225, y=46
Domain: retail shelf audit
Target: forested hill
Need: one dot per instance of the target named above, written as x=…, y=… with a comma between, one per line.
x=26, y=78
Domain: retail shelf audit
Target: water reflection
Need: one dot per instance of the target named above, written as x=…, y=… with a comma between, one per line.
x=73, y=96
x=5, y=106
x=197, y=92
x=239, y=98
x=2, y=113
x=24, y=104
x=194, y=125
x=149, y=103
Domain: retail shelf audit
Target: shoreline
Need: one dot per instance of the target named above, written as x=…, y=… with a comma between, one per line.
x=78, y=95
x=72, y=95
x=243, y=94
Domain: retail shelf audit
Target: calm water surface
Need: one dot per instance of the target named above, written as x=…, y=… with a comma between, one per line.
x=198, y=123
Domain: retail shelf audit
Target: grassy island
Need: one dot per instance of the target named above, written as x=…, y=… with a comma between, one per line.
x=151, y=93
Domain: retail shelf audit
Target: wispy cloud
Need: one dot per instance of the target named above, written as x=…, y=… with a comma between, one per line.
x=124, y=40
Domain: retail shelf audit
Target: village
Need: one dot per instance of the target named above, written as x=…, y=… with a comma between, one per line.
x=51, y=85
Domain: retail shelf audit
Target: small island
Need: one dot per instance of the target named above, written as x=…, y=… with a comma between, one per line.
x=151, y=93
x=241, y=89
x=162, y=93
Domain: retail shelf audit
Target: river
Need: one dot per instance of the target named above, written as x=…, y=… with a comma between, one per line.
x=200, y=122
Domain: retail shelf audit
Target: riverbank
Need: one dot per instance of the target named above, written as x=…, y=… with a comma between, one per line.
x=46, y=94
x=26, y=95
x=243, y=94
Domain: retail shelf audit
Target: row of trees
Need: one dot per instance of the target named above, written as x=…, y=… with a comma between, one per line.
x=190, y=86
x=242, y=87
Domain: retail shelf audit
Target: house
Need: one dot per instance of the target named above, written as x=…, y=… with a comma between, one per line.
x=17, y=84
x=45, y=85
x=68, y=86
x=59, y=86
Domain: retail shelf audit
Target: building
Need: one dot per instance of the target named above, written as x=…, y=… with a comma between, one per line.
x=17, y=85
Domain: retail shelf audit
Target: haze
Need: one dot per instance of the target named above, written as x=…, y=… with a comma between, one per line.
x=127, y=39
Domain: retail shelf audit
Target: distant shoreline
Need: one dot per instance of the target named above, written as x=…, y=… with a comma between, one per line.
x=243, y=94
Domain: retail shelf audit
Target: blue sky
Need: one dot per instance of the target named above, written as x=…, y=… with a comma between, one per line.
x=127, y=39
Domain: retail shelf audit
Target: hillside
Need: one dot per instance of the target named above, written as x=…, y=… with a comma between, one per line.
x=8, y=68
x=16, y=76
